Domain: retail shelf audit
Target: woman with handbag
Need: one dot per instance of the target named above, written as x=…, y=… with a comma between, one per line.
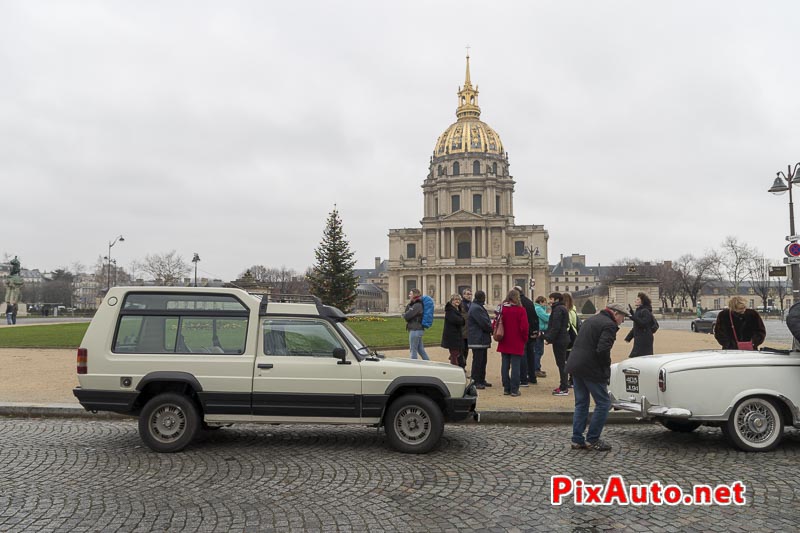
x=739, y=328
x=511, y=346
x=643, y=326
x=452, y=338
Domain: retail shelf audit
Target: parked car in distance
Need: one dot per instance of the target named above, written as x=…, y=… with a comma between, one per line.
x=186, y=359
x=705, y=324
x=750, y=395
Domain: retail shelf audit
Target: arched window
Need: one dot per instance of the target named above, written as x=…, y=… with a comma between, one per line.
x=494, y=168
x=456, y=169
x=440, y=170
x=463, y=100
x=472, y=100
x=476, y=167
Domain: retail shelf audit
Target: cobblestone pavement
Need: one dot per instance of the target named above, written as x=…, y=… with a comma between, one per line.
x=86, y=475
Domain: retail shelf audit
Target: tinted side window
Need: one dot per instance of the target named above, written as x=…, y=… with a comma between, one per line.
x=212, y=335
x=181, y=322
x=299, y=337
x=146, y=334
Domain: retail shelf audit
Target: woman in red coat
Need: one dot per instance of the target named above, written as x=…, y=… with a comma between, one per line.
x=512, y=346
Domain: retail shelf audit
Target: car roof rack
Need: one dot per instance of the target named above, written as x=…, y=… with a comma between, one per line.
x=287, y=298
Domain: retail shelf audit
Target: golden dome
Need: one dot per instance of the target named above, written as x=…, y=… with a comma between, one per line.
x=468, y=134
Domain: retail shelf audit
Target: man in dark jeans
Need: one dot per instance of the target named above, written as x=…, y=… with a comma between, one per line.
x=528, y=364
x=558, y=336
x=590, y=366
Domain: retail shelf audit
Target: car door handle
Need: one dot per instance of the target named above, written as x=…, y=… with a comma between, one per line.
x=265, y=365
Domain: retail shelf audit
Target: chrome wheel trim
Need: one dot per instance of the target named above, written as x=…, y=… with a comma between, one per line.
x=167, y=423
x=412, y=425
x=757, y=423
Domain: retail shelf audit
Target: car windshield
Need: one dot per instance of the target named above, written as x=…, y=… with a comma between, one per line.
x=359, y=345
x=711, y=314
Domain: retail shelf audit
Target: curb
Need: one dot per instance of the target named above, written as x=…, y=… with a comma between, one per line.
x=67, y=410
x=52, y=410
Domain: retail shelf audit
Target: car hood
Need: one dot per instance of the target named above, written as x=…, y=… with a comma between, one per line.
x=420, y=367
x=708, y=359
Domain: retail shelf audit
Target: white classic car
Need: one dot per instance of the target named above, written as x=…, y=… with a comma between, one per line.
x=751, y=396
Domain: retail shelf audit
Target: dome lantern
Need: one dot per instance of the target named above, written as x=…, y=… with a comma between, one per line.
x=468, y=134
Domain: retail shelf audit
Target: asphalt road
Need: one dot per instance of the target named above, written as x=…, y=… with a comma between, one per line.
x=82, y=475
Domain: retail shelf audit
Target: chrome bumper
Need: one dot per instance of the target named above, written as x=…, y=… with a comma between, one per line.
x=646, y=410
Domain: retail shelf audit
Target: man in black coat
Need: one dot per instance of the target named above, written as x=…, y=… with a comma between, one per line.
x=528, y=366
x=558, y=336
x=590, y=366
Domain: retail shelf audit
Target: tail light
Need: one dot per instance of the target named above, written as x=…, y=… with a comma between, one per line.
x=662, y=380
x=83, y=359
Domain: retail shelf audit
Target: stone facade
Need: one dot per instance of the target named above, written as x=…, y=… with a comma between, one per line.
x=624, y=290
x=468, y=237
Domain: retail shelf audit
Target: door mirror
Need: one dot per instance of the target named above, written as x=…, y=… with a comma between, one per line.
x=340, y=353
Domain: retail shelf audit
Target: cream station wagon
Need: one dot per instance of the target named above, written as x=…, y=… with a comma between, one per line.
x=182, y=359
x=750, y=395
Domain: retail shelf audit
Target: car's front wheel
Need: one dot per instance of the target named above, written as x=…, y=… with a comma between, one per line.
x=680, y=426
x=168, y=422
x=755, y=425
x=694, y=327
x=414, y=424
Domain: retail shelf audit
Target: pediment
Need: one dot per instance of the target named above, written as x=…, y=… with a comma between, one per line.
x=462, y=215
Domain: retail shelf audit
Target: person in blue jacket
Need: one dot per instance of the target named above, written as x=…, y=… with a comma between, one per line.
x=544, y=320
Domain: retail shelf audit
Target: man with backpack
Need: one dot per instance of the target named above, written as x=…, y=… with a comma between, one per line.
x=414, y=323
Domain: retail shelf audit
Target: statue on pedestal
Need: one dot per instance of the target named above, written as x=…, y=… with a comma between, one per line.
x=13, y=283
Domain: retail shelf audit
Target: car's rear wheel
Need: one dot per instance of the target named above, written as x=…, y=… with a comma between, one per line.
x=413, y=424
x=755, y=425
x=168, y=422
x=680, y=426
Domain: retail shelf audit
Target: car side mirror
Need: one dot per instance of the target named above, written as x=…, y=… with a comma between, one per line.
x=341, y=354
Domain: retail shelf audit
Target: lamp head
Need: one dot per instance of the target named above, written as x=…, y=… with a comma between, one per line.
x=121, y=238
x=779, y=186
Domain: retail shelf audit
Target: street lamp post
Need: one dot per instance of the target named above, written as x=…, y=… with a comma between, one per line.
x=195, y=260
x=119, y=238
x=783, y=182
x=531, y=251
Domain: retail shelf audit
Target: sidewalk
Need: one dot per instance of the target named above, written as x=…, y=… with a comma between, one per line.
x=39, y=382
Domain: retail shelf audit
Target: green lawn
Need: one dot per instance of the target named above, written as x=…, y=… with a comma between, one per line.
x=379, y=334
x=44, y=336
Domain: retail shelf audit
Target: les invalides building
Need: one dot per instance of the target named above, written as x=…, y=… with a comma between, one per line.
x=468, y=236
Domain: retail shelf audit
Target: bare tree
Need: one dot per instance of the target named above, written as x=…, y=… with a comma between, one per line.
x=78, y=268
x=283, y=280
x=782, y=290
x=760, y=281
x=694, y=273
x=734, y=262
x=135, y=268
x=670, y=286
x=167, y=269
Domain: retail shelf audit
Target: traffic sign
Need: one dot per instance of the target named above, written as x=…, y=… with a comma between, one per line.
x=791, y=260
x=532, y=283
x=777, y=271
x=793, y=237
x=792, y=249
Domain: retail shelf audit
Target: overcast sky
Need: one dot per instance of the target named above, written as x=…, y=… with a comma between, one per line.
x=230, y=129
